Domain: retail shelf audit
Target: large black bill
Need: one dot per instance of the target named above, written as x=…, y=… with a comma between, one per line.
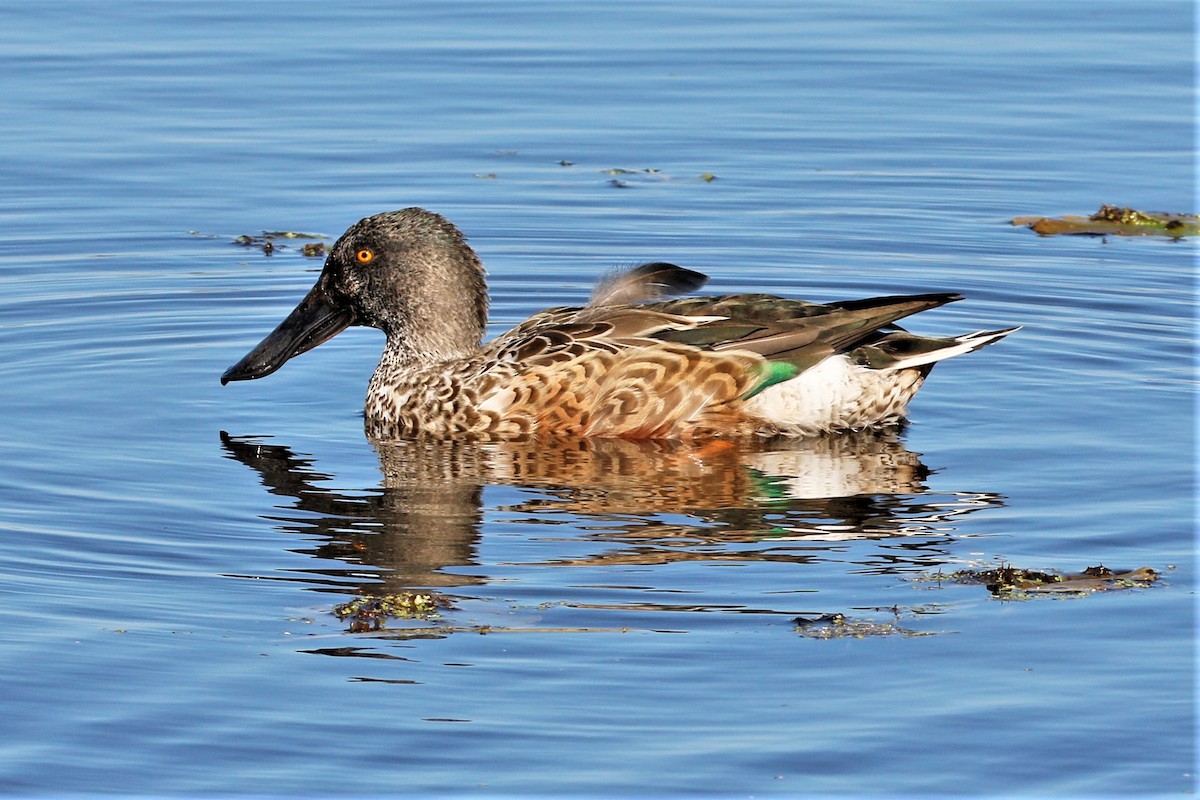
x=317, y=319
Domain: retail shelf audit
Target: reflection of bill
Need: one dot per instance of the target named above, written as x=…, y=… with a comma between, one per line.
x=645, y=502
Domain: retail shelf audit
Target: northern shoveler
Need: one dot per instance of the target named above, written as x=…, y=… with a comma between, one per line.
x=631, y=363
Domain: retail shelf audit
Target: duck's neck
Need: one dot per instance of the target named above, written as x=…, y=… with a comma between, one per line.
x=439, y=335
x=414, y=368
x=442, y=315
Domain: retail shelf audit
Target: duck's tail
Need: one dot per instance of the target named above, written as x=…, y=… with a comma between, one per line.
x=903, y=350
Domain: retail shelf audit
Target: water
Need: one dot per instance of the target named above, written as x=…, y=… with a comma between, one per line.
x=625, y=615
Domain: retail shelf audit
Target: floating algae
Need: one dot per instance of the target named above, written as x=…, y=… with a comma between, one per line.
x=1116, y=221
x=371, y=613
x=839, y=626
x=1014, y=583
x=268, y=242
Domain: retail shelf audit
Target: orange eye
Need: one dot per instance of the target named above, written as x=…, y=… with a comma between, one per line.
x=365, y=256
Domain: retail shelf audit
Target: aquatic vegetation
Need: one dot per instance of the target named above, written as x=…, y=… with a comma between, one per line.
x=839, y=626
x=1116, y=221
x=1014, y=583
x=620, y=171
x=370, y=613
x=268, y=242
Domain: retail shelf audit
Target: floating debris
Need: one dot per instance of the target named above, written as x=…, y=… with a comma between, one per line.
x=708, y=177
x=371, y=613
x=438, y=631
x=1116, y=221
x=291, y=235
x=565, y=163
x=619, y=171
x=839, y=626
x=267, y=242
x=486, y=176
x=1013, y=583
x=315, y=249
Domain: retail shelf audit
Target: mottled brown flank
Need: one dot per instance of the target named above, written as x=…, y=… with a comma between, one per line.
x=603, y=372
x=631, y=389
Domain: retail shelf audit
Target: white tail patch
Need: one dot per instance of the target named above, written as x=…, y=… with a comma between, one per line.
x=967, y=343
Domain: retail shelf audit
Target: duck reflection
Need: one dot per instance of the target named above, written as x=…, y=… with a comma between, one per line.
x=632, y=502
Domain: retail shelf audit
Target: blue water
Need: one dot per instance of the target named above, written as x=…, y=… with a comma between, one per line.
x=624, y=623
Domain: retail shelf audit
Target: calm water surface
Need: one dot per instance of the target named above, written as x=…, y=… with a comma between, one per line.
x=624, y=617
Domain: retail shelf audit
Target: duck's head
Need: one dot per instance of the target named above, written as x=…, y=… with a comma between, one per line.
x=409, y=273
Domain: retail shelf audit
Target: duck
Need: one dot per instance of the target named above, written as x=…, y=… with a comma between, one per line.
x=642, y=359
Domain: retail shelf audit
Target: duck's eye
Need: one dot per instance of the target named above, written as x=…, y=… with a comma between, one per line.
x=365, y=255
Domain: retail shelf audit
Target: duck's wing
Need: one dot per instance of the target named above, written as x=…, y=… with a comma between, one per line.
x=792, y=336
x=673, y=368
x=848, y=327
